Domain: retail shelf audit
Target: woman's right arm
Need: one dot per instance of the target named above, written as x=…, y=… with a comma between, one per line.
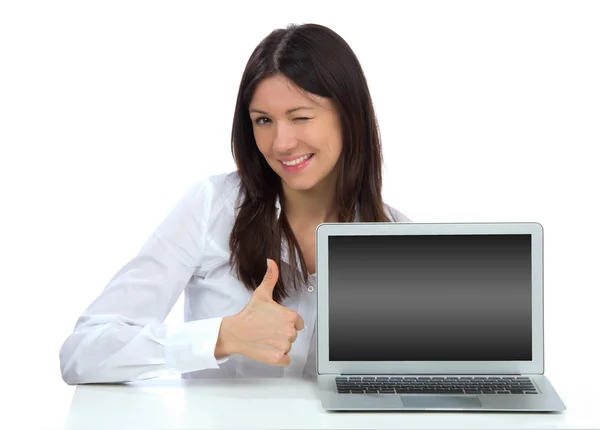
x=121, y=337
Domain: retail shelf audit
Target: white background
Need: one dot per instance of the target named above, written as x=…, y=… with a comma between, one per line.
x=489, y=111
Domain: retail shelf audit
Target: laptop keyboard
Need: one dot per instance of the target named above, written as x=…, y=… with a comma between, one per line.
x=434, y=385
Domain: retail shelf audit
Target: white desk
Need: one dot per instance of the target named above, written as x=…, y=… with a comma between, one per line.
x=283, y=404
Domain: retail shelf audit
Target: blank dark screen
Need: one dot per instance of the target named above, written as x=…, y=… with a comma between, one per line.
x=430, y=298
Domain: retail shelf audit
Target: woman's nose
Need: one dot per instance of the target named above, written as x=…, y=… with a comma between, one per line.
x=285, y=139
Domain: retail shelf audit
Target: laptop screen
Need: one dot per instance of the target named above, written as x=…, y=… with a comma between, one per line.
x=430, y=298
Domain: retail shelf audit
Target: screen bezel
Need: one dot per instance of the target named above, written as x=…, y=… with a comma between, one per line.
x=324, y=366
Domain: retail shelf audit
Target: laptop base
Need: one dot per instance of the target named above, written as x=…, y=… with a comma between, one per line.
x=547, y=400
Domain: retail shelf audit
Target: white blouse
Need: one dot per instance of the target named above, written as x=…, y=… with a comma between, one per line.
x=121, y=337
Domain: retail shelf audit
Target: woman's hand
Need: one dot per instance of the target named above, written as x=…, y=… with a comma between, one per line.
x=264, y=330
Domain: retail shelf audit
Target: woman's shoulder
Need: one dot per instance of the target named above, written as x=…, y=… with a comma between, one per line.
x=222, y=186
x=395, y=215
x=211, y=195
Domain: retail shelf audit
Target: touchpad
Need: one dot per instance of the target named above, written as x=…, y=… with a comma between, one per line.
x=443, y=401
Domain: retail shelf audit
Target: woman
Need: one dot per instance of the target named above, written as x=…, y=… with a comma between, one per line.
x=307, y=149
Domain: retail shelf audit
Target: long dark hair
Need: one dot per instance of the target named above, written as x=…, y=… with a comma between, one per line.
x=320, y=62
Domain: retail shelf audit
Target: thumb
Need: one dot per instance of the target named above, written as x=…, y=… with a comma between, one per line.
x=266, y=287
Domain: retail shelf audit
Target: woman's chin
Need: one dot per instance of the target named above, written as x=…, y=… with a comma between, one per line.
x=299, y=184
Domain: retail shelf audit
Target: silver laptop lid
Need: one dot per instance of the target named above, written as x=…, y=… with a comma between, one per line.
x=430, y=298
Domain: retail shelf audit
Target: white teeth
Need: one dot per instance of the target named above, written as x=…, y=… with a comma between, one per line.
x=297, y=160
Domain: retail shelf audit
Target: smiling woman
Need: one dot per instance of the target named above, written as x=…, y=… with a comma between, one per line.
x=242, y=244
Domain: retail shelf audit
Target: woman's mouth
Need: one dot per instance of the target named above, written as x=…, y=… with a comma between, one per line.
x=297, y=164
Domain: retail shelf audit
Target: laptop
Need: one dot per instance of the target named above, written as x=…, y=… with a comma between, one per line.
x=431, y=317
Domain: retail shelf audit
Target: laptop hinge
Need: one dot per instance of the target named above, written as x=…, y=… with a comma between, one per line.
x=428, y=374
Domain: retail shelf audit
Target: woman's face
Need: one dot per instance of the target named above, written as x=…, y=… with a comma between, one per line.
x=299, y=136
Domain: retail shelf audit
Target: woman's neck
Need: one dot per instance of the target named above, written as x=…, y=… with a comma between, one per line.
x=311, y=207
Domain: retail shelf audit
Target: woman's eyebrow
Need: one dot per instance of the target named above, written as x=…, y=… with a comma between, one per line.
x=289, y=111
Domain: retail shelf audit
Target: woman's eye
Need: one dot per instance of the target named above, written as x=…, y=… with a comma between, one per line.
x=258, y=120
x=264, y=120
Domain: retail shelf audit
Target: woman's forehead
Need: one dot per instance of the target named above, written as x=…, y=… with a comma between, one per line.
x=278, y=94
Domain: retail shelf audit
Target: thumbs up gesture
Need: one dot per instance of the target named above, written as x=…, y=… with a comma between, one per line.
x=264, y=330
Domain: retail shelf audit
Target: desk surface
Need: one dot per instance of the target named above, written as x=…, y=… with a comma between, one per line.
x=294, y=403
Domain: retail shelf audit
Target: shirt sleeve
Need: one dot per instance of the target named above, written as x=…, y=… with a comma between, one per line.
x=121, y=337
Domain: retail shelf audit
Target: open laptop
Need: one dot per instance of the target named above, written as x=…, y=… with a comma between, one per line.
x=430, y=316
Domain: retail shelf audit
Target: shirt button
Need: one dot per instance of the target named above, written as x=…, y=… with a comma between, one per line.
x=311, y=289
